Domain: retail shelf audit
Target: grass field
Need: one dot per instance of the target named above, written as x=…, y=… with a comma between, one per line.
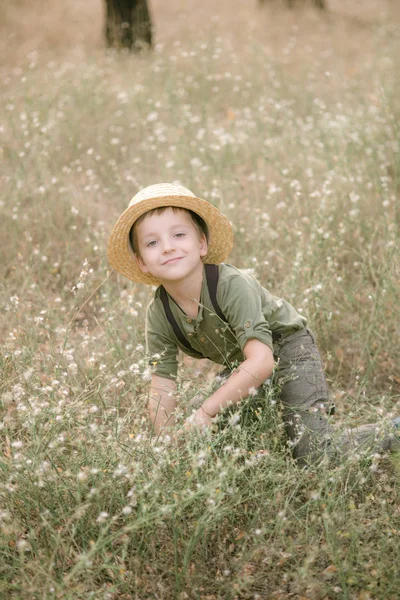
x=289, y=122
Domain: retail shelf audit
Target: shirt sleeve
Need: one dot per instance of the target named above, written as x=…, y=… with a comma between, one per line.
x=240, y=299
x=160, y=347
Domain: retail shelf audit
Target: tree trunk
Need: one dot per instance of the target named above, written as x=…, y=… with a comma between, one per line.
x=319, y=3
x=128, y=24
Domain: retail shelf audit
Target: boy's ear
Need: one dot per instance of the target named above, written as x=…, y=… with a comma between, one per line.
x=140, y=264
x=203, y=245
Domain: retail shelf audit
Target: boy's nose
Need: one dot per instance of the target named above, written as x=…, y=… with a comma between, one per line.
x=167, y=246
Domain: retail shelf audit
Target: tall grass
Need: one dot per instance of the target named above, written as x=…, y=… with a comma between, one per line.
x=289, y=123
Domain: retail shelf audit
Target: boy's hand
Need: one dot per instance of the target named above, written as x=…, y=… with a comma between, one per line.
x=198, y=420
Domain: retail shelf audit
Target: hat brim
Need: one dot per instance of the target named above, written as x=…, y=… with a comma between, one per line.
x=120, y=253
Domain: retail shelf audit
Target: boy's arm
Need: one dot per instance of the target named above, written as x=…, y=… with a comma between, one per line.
x=257, y=367
x=162, y=403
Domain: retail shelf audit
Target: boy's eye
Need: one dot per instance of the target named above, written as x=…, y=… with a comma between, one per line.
x=181, y=234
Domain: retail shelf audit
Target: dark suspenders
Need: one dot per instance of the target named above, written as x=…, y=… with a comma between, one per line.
x=212, y=276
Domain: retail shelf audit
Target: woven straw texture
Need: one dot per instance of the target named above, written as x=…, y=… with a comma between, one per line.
x=120, y=253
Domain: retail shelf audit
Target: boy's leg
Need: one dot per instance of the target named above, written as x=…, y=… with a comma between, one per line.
x=305, y=398
x=304, y=395
x=379, y=437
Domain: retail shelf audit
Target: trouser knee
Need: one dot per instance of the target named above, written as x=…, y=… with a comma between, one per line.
x=308, y=431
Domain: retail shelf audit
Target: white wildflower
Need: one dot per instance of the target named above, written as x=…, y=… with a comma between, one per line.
x=102, y=517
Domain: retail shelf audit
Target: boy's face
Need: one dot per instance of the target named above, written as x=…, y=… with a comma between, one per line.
x=170, y=245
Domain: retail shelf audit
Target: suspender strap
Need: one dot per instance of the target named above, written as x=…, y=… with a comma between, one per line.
x=212, y=275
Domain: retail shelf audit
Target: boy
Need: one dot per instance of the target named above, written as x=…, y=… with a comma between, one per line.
x=170, y=238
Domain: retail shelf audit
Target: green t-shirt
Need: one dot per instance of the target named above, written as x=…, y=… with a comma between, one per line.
x=251, y=311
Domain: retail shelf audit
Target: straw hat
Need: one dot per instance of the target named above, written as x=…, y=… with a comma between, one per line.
x=120, y=253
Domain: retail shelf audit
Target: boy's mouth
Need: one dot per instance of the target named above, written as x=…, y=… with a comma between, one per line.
x=172, y=260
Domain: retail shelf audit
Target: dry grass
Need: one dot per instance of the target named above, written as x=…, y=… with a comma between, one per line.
x=289, y=122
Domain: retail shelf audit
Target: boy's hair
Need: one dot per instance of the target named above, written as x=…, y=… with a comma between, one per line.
x=199, y=223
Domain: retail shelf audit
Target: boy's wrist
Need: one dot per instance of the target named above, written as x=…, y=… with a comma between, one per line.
x=206, y=413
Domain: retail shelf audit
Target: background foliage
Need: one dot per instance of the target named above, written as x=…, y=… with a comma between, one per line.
x=286, y=120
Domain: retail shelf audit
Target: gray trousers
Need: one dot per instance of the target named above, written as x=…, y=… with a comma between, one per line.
x=303, y=390
x=299, y=378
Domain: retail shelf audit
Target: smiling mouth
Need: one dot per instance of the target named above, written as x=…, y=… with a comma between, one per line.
x=172, y=260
